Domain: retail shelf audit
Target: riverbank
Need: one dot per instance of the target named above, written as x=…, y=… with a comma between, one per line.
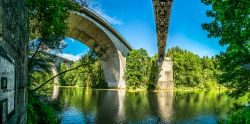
x=182, y=88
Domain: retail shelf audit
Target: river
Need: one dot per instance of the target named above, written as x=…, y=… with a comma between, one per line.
x=118, y=106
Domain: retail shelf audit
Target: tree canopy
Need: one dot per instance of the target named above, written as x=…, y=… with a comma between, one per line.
x=190, y=70
x=231, y=24
x=90, y=74
x=141, y=70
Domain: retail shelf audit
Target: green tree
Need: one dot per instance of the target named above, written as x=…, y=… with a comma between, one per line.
x=136, y=74
x=153, y=71
x=231, y=24
x=48, y=25
x=88, y=75
x=187, y=67
x=63, y=67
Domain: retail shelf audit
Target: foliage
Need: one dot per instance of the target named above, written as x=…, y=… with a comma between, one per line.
x=39, y=112
x=153, y=71
x=239, y=116
x=40, y=70
x=141, y=70
x=192, y=71
x=189, y=69
x=89, y=75
x=48, y=19
x=48, y=25
x=136, y=69
x=38, y=78
x=231, y=24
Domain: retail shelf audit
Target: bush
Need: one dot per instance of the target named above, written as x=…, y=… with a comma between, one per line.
x=40, y=113
x=240, y=116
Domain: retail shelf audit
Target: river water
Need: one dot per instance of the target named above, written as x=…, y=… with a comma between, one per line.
x=118, y=106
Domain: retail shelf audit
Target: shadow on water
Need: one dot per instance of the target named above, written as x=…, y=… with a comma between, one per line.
x=118, y=106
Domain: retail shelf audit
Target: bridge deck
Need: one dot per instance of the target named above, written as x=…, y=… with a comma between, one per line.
x=105, y=23
x=162, y=10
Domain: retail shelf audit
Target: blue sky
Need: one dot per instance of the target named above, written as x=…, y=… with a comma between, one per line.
x=134, y=19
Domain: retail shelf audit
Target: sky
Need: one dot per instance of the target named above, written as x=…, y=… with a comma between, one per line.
x=134, y=19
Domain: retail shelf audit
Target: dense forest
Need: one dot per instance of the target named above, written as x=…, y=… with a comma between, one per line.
x=190, y=70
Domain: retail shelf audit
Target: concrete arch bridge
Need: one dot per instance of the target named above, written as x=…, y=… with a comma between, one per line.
x=91, y=29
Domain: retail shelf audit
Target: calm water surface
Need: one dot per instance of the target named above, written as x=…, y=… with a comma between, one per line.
x=118, y=106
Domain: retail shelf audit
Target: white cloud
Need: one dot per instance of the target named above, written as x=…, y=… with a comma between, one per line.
x=70, y=56
x=96, y=6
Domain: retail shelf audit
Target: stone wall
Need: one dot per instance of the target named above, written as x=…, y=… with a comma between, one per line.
x=1, y=25
x=13, y=40
x=7, y=86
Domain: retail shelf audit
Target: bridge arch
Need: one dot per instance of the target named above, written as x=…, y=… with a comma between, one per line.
x=91, y=29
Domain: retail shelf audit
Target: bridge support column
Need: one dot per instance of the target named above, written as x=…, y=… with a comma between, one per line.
x=114, y=69
x=55, y=72
x=165, y=80
x=55, y=69
x=122, y=83
x=55, y=93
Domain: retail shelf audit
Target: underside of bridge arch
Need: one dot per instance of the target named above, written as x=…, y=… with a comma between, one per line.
x=107, y=45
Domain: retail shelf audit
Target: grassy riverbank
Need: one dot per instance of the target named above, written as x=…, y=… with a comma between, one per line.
x=178, y=88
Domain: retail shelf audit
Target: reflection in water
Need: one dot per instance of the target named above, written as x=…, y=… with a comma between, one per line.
x=119, y=106
x=137, y=107
x=107, y=107
x=72, y=116
x=165, y=104
x=55, y=93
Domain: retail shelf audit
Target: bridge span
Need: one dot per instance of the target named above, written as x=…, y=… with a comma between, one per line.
x=162, y=9
x=112, y=49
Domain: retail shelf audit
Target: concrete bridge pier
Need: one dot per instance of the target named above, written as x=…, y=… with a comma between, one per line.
x=55, y=71
x=55, y=93
x=114, y=69
x=165, y=80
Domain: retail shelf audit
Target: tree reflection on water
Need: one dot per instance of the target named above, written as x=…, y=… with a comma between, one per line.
x=119, y=106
